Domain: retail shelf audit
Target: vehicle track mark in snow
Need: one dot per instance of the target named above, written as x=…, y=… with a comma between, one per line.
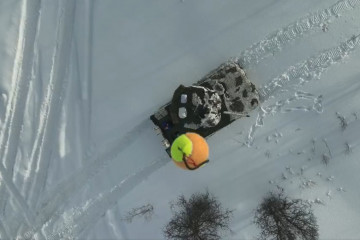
x=297, y=75
x=4, y=230
x=278, y=107
x=87, y=216
x=21, y=76
x=115, y=224
x=84, y=77
x=49, y=207
x=15, y=194
x=36, y=78
x=275, y=41
x=87, y=80
x=310, y=69
x=51, y=106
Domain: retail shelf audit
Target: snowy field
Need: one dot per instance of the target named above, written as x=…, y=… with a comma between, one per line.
x=79, y=80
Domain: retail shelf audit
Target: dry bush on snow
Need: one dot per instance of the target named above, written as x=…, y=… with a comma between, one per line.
x=199, y=218
x=282, y=218
x=343, y=122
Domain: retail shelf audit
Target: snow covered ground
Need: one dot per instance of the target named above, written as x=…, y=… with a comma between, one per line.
x=79, y=80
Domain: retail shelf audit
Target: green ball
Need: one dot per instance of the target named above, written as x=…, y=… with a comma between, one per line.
x=182, y=145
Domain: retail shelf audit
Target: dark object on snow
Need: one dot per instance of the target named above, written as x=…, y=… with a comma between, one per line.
x=200, y=217
x=145, y=211
x=212, y=103
x=281, y=218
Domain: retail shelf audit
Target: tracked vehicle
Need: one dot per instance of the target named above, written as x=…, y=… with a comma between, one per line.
x=221, y=97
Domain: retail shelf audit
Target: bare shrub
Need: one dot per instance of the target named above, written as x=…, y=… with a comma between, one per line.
x=348, y=148
x=281, y=218
x=145, y=211
x=343, y=121
x=325, y=159
x=355, y=115
x=199, y=218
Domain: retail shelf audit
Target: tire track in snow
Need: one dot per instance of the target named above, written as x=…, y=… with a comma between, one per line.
x=4, y=230
x=275, y=41
x=84, y=78
x=50, y=208
x=87, y=80
x=51, y=106
x=15, y=194
x=119, y=234
x=297, y=75
x=21, y=77
x=36, y=81
x=310, y=69
x=86, y=216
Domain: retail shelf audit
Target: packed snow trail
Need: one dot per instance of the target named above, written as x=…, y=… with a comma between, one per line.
x=90, y=213
x=65, y=190
x=51, y=106
x=15, y=194
x=86, y=216
x=31, y=29
x=21, y=76
x=85, y=77
x=277, y=40
x=310, y=69
x=4, y=233
x=298, y=75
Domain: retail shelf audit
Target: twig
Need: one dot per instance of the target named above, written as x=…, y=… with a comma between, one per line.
x=327, y=146
x=146, y=211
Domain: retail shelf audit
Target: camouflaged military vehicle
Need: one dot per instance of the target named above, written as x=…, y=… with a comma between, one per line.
x=221, y=97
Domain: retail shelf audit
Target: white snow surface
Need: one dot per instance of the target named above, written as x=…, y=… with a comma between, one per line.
x=79, y=80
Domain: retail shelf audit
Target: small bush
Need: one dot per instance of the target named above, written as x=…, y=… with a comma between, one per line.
x=343, y=122
x=281, y=218
x=199, y=218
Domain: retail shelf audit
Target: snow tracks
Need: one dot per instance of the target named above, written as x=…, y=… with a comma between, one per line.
x=275, y=41
x=298, y=75
x=21, y=76
x=87, y=214
x=51, y=210
x=25, y=61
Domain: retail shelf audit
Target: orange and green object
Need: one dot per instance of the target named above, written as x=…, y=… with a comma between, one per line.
x=190, y=151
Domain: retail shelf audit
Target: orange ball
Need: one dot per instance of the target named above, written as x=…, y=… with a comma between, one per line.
x=199, y=153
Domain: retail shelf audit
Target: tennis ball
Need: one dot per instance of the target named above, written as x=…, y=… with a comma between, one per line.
x=192, y=147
